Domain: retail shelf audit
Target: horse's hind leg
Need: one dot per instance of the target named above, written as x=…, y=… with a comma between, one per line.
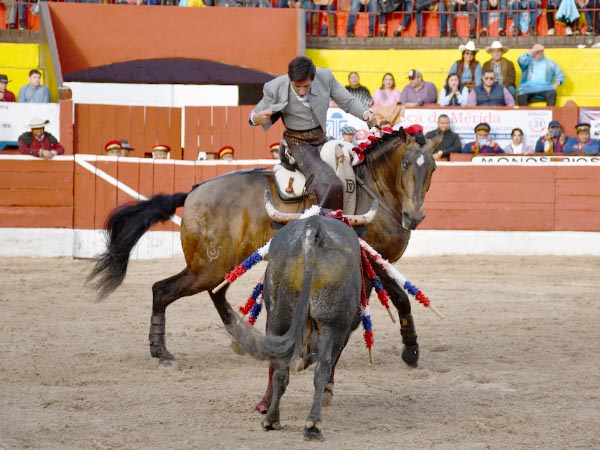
x=410, y=353
x=281, y=378
x=164, y=293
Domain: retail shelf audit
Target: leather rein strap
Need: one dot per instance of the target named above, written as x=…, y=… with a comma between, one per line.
x=374, y=196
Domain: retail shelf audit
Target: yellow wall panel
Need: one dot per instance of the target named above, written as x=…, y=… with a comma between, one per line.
x=581, y=67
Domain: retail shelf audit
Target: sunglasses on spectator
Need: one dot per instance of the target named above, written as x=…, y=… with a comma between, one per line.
x=489, y=78
x=469, y=53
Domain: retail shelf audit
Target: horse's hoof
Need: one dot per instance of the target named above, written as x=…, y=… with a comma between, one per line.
x=268, y=426
x=312, y=431
x=156, y=351
x=410, y=355
x=262, y=407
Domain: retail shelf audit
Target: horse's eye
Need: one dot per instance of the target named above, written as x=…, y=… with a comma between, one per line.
x=404, y=165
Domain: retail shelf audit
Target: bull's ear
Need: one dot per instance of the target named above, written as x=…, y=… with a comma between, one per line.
x=277, y=225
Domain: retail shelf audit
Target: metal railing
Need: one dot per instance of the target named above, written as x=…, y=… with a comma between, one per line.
x=323, y=21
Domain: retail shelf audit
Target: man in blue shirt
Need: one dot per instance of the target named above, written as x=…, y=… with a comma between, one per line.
x=541, y=77
x=34, y=92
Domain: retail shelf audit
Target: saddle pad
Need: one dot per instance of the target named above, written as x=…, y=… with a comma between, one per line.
x=290, y=185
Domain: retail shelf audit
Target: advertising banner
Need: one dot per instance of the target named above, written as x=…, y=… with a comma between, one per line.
x=14, y=118
x=591, y=116
x=533, y=122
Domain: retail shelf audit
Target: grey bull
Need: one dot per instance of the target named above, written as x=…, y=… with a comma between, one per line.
x=312, y=294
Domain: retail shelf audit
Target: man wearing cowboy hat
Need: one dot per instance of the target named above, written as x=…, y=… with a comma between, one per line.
x=5, y=94
x=38, y=142
x=541, y=77
x=503, y=69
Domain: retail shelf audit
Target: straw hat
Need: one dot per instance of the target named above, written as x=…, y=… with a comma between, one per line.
x=36, y=122
x=496, y=45
x=470, y=46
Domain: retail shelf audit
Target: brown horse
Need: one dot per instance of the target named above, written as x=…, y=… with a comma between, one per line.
x=224, y=221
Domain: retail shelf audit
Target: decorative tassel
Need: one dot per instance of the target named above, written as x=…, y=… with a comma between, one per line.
x=382, y=294
x=398, y=277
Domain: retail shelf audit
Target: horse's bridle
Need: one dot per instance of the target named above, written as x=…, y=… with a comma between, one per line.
x=374, y=196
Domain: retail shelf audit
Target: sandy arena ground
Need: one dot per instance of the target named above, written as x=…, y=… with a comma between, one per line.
x=515, y=364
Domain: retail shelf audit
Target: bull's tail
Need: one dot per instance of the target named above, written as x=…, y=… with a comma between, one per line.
x=285, y=348
x=125, y=226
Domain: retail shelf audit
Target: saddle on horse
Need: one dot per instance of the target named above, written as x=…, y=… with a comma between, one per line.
x=291, y=183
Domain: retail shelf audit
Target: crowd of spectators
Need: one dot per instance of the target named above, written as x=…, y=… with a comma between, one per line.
x=574, y=14
x=467, y=84
x=32, y=92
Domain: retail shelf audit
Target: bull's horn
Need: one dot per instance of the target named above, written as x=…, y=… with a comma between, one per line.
x=278, y=216
x=363, y=219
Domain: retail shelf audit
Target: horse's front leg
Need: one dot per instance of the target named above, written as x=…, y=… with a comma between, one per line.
x=410, y=353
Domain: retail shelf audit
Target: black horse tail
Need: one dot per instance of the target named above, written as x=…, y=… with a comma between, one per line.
x=287, y=347
x=125, y=226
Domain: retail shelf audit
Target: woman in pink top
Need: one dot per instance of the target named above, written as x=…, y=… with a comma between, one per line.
x=387, y=94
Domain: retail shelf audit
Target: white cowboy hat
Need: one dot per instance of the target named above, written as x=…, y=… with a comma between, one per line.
x=496, y=45
x=36, y=122
x=470, y=46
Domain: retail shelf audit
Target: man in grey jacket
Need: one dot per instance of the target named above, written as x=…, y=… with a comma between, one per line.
x=301, y=99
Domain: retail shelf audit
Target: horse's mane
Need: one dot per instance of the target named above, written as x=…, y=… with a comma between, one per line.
x=379, y=151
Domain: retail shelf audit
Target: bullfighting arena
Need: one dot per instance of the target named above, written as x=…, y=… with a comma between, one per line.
x=514, y=364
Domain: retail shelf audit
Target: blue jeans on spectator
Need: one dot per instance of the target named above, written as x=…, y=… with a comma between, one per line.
x=591, y=15
x=523, y=5
x=330, y=10
x=472, y=10
x=485, y=9
x=355, y=8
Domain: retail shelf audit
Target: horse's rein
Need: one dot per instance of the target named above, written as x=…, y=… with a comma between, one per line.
x=382, y=204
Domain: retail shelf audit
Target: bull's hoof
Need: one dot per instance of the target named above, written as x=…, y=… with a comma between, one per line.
x=312, y=431
x=269, y=426
x=262, y=407
x=410, y=355
x=237, y=348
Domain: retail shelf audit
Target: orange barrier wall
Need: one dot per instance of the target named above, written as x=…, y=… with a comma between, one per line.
x=142, y=126
x=36, y=193
x=206, y=128
x=511, y=198
x=553, y=197
x=85, y=35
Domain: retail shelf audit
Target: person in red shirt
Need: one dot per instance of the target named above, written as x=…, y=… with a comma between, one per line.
x=39, y=142
x=5, y=94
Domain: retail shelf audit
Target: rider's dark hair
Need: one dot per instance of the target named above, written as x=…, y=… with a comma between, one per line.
x=301, y=69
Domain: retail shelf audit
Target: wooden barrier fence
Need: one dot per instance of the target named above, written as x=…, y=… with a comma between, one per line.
x=204, y=129
x=79, y=192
